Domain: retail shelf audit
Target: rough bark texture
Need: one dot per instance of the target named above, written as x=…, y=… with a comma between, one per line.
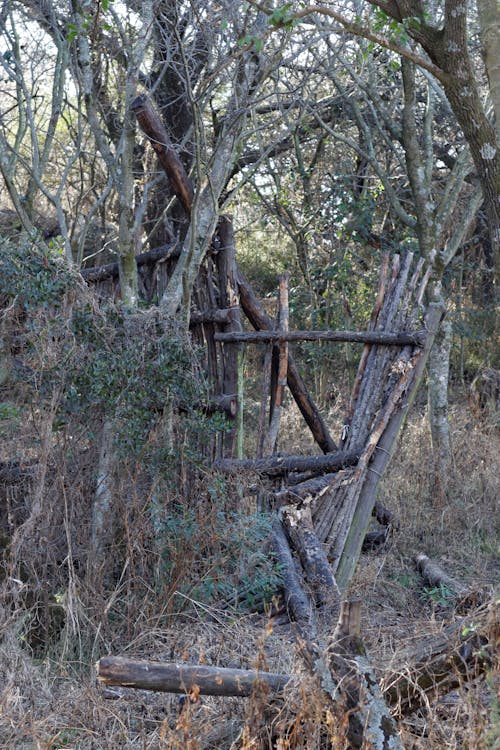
x=280, y=465
x=434, y=575
x=360, y=337
x=229, y=300
x=183, y=678
x=152, y=126
x=439, y=368
x=279, y=380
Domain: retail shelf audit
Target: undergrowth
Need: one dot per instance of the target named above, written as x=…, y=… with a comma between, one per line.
x=182, y=561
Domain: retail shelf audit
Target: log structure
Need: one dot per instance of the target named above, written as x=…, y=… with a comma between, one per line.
x=322, y=504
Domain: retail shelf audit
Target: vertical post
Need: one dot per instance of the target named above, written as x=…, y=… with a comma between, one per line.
x=229, y=299
x=279, y=393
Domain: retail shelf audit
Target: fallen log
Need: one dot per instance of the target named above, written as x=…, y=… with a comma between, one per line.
x=169, y=677
x=280, y=465
x=437, y=577
x=403, y=338
x=438, y=663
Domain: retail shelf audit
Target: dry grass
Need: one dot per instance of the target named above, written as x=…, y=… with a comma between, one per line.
x=49, y=700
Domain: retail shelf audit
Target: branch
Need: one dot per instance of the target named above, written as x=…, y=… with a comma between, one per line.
x=363, y=31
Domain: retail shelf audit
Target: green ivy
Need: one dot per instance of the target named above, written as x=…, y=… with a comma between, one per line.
x=35, y=274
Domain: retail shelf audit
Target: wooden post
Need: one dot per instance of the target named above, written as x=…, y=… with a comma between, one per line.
x=281, y=376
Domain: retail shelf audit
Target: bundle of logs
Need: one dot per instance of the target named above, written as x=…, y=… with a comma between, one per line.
x=323, y=504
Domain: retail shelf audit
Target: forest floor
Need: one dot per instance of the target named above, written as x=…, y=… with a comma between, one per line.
x=54, y=703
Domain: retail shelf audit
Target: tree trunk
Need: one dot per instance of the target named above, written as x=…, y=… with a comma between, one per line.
x=439, y=368
x=489, y=21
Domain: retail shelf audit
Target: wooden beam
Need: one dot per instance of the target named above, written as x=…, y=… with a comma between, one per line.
x=434, y=575
x=279, y=465
x=110, y=270
x=171, y=677
x=404, y=338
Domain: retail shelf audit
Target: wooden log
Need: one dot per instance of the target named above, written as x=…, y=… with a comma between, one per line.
x=403, y=338
x=371, y=725
x=111, y=271
x=318, y=572
x=437, y=577
x=151, y=124
x=280, y=465
x=222, y=316
x=261, y=321
x=224, y=403
x=279, y=384
x=394, y=419
x=384, y=516
x=170, y=677
x=297, y=602
x=438, y=663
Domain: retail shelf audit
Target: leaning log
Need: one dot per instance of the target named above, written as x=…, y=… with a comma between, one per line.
x=170, y=677
x=403, y=338
x=151, y=124
x=280, y=465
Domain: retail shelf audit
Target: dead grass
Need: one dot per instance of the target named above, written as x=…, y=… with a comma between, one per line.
x=50, y=701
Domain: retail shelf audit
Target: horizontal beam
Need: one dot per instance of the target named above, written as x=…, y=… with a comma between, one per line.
x=111, y=270
x=174, y=677
x=279, y=465
x=404, y=338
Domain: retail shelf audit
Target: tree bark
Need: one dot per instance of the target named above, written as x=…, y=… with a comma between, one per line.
x=403, y=338
x=183, y=678
x=111, y=270
x=229, y=301
x=153, y=127
x=383, y=448
x=437, y=577
x=280, y=465
x=439, y=368
x=277, y=398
